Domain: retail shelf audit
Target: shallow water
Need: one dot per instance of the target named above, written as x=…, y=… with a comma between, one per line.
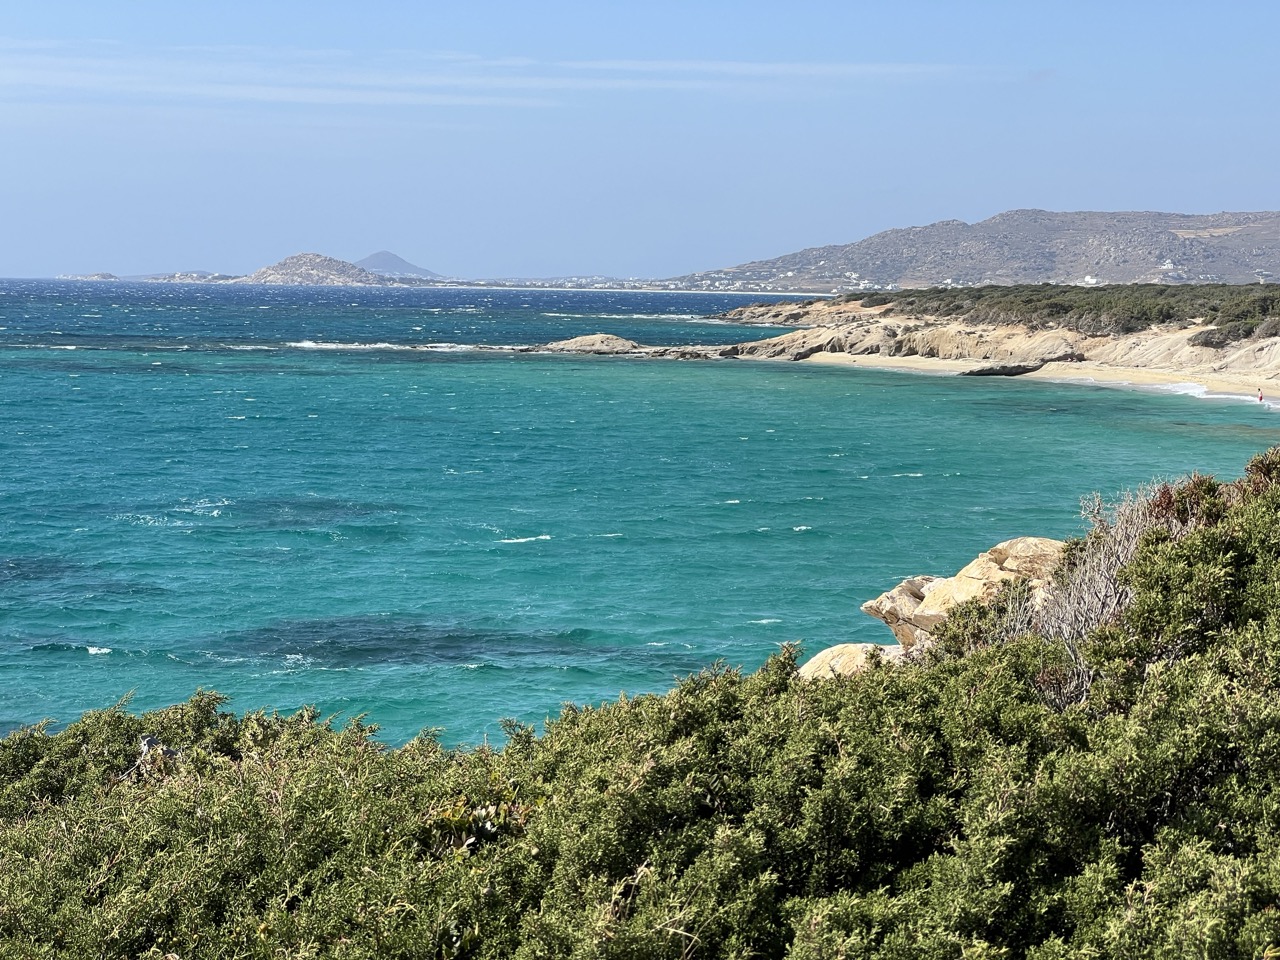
x=440, y=538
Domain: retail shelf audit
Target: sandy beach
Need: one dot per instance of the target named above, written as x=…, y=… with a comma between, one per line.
x=1082, y=371
x=1160, y=357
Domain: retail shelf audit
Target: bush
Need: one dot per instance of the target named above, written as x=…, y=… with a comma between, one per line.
x=1237, y=311
x=976, y=803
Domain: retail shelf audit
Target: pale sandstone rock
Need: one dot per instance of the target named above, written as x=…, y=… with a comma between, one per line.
x=846, y=659
x=1031, y=557
x=909, y=615
x=897, y=608
x=595, y=343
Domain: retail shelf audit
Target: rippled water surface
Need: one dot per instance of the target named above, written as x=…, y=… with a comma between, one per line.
x=268, y=493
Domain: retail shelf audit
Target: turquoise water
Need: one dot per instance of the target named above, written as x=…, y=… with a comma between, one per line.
x=195, y=496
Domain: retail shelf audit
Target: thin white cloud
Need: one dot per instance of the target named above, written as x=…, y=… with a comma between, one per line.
x=742, y=68
x=399, y=79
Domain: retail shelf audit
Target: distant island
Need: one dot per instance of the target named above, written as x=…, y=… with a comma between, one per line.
x=387, y=264
x=1017, y=247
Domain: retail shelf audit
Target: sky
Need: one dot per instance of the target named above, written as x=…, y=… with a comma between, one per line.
x=516, y=139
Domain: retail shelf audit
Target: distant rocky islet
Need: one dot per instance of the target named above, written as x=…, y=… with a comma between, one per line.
x=1015, y=247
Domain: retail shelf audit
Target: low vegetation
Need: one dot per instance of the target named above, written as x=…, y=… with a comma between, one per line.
x=1098, y=777
x=1236, y=312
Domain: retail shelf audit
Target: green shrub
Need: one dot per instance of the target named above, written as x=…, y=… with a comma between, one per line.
x=1237, y=311
x=973, y=803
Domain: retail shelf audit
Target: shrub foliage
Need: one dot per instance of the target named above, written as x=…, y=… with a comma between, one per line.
x=1041, y=785
x=1235, y=312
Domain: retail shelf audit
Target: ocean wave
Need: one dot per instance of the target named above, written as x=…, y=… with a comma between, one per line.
x=384, y=345
x=56, y=646
x=148, y=520
x=204, y=507
x=1186, y=389
x=332, y=345
x=545, y=536
x=682, y=317
x=1201, y=392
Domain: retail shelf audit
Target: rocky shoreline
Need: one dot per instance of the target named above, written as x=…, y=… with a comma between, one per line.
x=846, y=333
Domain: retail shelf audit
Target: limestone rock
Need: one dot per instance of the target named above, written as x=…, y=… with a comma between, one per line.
x=897, y=608
x=914, y=608
x=594, y=343
x=1034, y=558
x=846, y=659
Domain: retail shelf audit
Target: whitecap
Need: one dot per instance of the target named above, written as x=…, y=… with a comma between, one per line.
x=97, y=650
x=146, y=520
x=330, y=345
x=765, y=621
x=908, y=474
x=545, y=536
x=801, y=529
x=1186, y=389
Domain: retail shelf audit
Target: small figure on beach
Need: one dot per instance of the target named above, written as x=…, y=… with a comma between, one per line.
x=1259, y=394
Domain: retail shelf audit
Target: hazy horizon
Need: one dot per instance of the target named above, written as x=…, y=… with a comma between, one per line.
x=502, y=140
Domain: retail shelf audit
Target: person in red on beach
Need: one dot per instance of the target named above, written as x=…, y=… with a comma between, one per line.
x=1259, y=394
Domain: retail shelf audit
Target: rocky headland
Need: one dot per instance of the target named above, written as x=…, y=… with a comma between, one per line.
x=846, y=332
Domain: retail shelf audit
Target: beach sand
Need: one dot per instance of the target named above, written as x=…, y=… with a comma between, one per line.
x=1085, y=371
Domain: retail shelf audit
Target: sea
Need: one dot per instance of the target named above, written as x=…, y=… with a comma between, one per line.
x=356, y=499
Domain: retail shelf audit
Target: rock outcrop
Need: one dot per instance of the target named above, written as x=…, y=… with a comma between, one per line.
x=595, y=343
x=846, y=659
x=897, y=608
x=914, y=608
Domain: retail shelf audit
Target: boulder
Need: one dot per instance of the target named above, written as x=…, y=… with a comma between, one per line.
x=898, y=607
x=914, y=608
x=1034, y=558
x=594, y=343
x=846, y=659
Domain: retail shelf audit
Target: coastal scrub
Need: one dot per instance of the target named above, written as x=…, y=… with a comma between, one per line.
x=972, y=804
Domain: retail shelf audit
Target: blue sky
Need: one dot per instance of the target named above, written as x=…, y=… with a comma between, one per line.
x=498, y=139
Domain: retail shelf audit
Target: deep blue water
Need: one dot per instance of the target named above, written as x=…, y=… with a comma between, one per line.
x=261, y=491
